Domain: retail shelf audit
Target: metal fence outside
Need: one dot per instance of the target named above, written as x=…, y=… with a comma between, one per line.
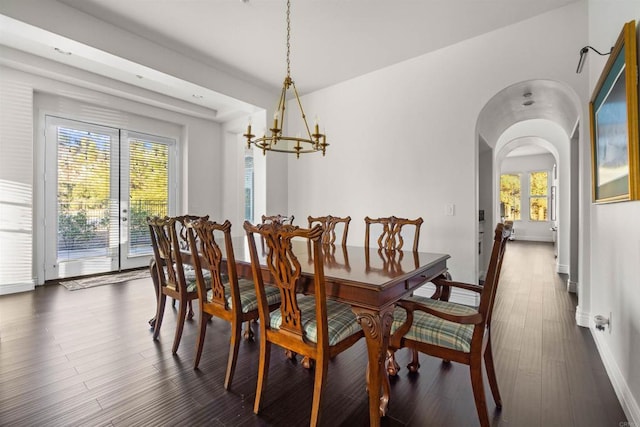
x=83, y=227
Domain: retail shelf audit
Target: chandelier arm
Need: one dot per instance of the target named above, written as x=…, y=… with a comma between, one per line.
x=304, y=117
x=280, y=110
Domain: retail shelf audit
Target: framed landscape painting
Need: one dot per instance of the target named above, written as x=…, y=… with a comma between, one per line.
x=613, y=110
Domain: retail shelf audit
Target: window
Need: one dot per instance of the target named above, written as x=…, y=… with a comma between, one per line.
x=248, y=184
x=510, y=196
x=538, y=196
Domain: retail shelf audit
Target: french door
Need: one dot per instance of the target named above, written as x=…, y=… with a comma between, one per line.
x=101, y=184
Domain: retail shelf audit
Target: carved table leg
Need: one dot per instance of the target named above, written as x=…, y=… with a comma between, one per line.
x=377, y=328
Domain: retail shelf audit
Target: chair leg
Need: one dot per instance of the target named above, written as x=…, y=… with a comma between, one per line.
x=248, y=332
x=190, y=312
x=182, y=313
x=162, y=300
x=291, y=355
x=392, y=365
x=263, y=370
x=415, y=363
x=320, y=376
x=478, y=391
x=234, y=346
x=307, y=362
x=491, y=374
x=156, y=287
x=202, y=331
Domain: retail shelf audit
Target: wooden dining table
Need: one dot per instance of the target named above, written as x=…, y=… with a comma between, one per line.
x=368, y=279
x=371, y=281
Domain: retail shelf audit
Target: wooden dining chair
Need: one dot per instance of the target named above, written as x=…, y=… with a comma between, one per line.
x=184, y=245
x=456, y=332
x=309, y=325
x=169, y=273
x=329, y=225
x=390, y=240
x=221, y=293
x=281, y=219
x=391, y=237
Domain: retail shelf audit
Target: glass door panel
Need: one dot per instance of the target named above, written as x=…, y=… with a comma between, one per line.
x=81, y=207
x=101, y=185
x=145, y=184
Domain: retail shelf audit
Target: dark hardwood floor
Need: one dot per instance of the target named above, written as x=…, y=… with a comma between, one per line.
x=87, y=358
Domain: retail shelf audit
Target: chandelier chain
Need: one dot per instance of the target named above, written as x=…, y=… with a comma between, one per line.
x=277, y=140
x=288, y=38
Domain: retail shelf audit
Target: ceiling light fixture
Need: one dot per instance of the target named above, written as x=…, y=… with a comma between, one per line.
x=583, y=56
x=528, y=101
x=276, y=141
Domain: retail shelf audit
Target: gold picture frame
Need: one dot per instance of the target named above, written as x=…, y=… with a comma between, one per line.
x=613, y=113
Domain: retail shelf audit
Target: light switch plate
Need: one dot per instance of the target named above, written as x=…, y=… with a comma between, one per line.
x=450, y=209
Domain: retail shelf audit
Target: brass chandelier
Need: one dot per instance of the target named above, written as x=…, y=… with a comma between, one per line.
x=278, y=142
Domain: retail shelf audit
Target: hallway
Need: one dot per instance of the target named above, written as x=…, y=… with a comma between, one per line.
x=549, y=370
x=87, y=358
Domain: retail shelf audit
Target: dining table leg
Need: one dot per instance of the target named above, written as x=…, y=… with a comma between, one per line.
x=376, y=325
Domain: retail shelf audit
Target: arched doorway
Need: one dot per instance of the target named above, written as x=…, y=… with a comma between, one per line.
x=532, y=115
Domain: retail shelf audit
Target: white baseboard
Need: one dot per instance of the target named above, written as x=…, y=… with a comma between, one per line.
x=459, y=296
x=572, y=286
x=620, y=385
x=582, y=318
x=14, y=288
x=562, y=268
x=462, y=296
x=525, y=238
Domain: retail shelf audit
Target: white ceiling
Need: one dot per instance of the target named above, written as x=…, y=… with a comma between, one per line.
x=331, y=41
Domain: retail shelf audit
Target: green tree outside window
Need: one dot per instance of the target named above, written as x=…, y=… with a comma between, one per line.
x=510, y=196
x=538, y=200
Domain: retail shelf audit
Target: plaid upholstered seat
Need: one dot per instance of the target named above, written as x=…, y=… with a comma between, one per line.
x=248, y=297
x=430, y=329
x=341, y=320
x=190, y=277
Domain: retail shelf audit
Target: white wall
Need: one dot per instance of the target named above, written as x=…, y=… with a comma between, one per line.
x=403, y=139
x=16, y=185
x=485, y=202
x=615, y=242
x=525, y=229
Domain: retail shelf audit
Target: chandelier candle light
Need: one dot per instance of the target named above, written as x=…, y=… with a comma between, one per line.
x=315, y=141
